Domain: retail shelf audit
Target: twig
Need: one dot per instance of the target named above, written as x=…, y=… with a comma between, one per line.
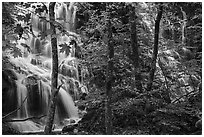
x=57, y=24
x=20, y=120
x=182, y=97
x=57, y=90
x=15, y=109
x=59, y=87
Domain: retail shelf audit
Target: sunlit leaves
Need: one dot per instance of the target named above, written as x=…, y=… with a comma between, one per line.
x=39, y=7
x=27, y=5
x=19, y=30
x=20, y=17
x=65, y=48
x=72, y=42
x=25, y=18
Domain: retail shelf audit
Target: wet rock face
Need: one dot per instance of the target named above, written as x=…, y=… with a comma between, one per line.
x=8, y=90
x=34, y=96
x=8, y=79
x=35, y=61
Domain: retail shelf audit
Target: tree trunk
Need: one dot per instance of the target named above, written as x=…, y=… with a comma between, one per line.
x=54, y=80
x=108, y=110
x=135, y=51
x=183, y=26
x=166, y=92
x=155, y=52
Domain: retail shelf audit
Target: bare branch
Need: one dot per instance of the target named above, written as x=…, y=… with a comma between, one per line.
x=57, y=90
x=20, y=120
x=15, y=109
x=55, y=23
x=182, y=97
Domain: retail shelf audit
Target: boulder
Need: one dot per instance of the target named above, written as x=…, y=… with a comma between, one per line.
x=69, y=128
x=69, y=121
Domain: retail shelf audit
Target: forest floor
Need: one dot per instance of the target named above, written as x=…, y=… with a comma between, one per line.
x=140, y=116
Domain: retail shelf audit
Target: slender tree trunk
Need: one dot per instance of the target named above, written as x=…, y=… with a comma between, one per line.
x=108, y=110
x=54, y=80
x=135, y=51
x=183, y=26
x=155, y=52
x=166, y=93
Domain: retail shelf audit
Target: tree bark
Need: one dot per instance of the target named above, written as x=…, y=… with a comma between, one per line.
x=54, y=80
x=108, y=109
x=135, y=51
x=155, y=51
x=166, y=93
x=183, y=27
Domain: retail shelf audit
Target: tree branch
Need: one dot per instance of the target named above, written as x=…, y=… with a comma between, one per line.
x=55, y=23
x=57, y=90
x=21, y=120
x=155, y=50
x=15, y=109
x=182, y=97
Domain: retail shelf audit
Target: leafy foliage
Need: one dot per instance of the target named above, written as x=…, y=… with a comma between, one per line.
x=175, y=100
x=25, y=18
x=65, y=48
x=173, y=65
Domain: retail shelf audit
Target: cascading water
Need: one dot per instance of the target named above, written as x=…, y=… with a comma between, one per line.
x=31, y=90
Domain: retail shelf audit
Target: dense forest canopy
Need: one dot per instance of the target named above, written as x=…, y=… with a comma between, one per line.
x=102, y=67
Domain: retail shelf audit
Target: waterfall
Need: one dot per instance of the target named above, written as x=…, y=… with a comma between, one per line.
x=31, y=90
x=36, y=88
x=21, y=96
x=67, y=101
